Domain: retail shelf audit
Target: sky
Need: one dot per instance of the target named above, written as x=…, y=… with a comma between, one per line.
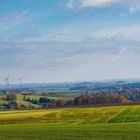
x=69, y=40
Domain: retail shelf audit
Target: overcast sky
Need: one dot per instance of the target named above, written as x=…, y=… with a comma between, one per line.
x=69, y=40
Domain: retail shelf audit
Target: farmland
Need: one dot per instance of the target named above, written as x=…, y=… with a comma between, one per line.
x=98, y=123
x=60, y=116
x=129, y=114
x=28, y=103
x=123, y=131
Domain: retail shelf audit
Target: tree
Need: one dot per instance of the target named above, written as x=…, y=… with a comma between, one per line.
x=123, y=100
x=12, y=105
x=44, y=100
x=11, y=97
x=61, y=103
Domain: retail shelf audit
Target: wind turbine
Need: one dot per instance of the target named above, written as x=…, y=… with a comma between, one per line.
x=7, y=82
x=20, y=82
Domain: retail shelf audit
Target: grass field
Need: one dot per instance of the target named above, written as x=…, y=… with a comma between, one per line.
x=98, y=123
x=127, y=131
x=20, y=100
x=61, y=116
x=129, y=114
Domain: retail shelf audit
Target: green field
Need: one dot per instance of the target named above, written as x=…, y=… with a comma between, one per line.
x=98, y=123
x=20, y=100
x=60, y=116
x=127, y=131
x=129, y=114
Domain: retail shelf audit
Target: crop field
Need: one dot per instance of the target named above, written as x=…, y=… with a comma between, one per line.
x=60, y=116
x=123, y=131
x=98, y=123
x=128, y=114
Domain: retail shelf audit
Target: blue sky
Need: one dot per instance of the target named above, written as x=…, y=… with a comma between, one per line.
x=69, y=40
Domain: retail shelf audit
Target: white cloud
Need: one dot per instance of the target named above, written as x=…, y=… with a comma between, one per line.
x=97, y=3
x=118, y=56
x=129, y=32
x=12, y=19
x=133, y=6
x=81, y=60
x=71, y=4
x=90, y=3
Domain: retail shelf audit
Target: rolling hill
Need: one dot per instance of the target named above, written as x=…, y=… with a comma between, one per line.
x=98, y=123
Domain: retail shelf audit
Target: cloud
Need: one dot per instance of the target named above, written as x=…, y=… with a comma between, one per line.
x=90, y=3
x=54, y=54
x=29, y=35
x=12, y=19
x=70, y=60
x=132, y=6
x=118, y=56
x=135, y=8
x=129, y=32
x=71, y=4
x=97, y=3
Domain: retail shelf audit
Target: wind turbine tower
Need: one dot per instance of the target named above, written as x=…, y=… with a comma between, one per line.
x=7, y=82
x=20, y=83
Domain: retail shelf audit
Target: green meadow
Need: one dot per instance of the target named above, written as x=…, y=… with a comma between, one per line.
x=60, y=116
x=97, y=123
x=122, y=131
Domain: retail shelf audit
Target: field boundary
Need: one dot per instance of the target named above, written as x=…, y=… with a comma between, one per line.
x=123, y=109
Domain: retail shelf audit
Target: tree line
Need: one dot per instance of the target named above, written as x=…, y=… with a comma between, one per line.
x=98, y=99
x=81, y=100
